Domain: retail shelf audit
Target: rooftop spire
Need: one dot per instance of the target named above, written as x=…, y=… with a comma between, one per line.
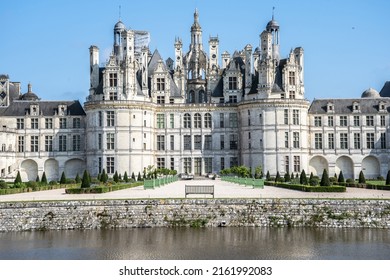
x=273, y=13
x=119, y=12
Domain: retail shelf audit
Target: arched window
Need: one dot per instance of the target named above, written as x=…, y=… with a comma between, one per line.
x=197, y=121
x=187, y=120
x=202, y=97
x=207, y=120
x=191, y=97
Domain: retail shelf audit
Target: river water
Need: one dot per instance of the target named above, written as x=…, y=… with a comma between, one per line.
x=198, y=244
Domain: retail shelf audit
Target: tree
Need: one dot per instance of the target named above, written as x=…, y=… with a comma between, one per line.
x=325, y=182
x=287, y=177
x=104, y=177
x=44, y=179
x=120, y=177
x=116, y=177
x=303, y=178
x=341, y=177
x=311, y=176
x=125, y=177
x=85, y=183
x=133, y=176
x=98, y=177
x=277, y=178
x=18, y=179
x=77, y=178
x=258, y=172
x=37, y=179
x=388, y=178
x=268, y=176
x=139, y=176
x=362, y=179
x=63, y=178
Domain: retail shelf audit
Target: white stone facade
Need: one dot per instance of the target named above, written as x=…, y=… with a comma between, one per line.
x=196, y=115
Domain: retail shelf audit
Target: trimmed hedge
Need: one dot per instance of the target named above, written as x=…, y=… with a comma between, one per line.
x=35, y=189
x=305, y=188
x=102, y=189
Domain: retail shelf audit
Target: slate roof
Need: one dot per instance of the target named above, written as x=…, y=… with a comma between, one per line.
x=385, y=91
x=46, y=108
x=344, y=106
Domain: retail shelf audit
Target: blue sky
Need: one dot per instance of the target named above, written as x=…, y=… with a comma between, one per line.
x=346, y=43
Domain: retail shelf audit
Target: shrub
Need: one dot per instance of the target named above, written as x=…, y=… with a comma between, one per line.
x=325, y=182
x=32, y=184
x=85, y=183
x=313, y=181
x=116, y=177
x=18, y=179
x=268, y=176
x=19, y=185
x=104, y=176
x=139, y=177
x=303, y=178
x=277, y=179
x=37, y=179
x=287, y=177
x=63, y=178
x=77, y=179
x=53, y=183
x=133, y=175
x=388, y=178
x=362, y=179
x=380, y=178
x=333, y=180
x=70, y=181
x=341, y=177
x=350, y=181
x=44, y=179
x=3, y=185
x=125, y=177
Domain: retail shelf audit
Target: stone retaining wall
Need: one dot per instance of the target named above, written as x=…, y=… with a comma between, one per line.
x=59, y=215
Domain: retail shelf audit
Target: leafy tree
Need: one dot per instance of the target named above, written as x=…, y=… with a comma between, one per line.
x=63, y=178
x=325, y=182
x=44, y=179
x=258, y=172
x=85, y=183
x=77, y=178
x=287, y=177
x=18, y=179
x=388, y=178
x=303, y=178
x=362, y=179
x=116, y=177
x=277, y=178
x=341, y=177
x=37, y=179
x=139, y=176
x=125, y=177
x=268, y=176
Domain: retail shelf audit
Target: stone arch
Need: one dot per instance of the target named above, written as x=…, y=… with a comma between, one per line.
x=51, y=170
x=345, y=164
x=74, y=166
x=317, y=165
x=371, y=167
x=28, y=170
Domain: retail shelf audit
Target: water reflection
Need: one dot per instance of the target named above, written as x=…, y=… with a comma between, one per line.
x=204, y=243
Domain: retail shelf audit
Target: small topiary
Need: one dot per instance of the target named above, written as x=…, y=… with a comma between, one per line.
x=18, y=179
x=116, y=177
x=85, y=183
x=125, y=177
x=287, y=177
x=44, y=179
x=362, y=179
x=325, y=182
x=388, y=178
x=268, y=176
x=63, y=178
x=77, y=178
x=277, y=179
x=303, y=178
x=341, y=177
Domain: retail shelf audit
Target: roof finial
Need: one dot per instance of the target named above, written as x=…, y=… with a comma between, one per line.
x=119, y=12
x=273, y=12
x=196, y=15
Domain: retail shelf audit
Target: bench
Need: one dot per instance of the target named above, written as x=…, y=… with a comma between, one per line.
x=199, y=189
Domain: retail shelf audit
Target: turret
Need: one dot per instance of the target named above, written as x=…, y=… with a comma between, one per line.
x=213, y=50
x=94, y=68
x=248, y=68
x=118, y=48
x=225, y=59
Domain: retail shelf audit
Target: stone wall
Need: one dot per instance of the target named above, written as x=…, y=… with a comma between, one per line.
x=59, y=215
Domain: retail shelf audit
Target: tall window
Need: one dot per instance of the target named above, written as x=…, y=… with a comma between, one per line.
x=62, y=123
x=76, y=142
x=286, y=164
x=221, y=120
x=48, y=143
x=160, y=99
x=297, y=163
x=160, y=142
x=160, y=84
x=197, y=142
x=62, y=143
x=197, y=121
x=370, y=121
x=318, y=121
x=207, y=142
x=20, y=144
x=34, y=144
x=110, y=118
x=296, y=139
x=160, y=163
x=331, y=141
x=232, y=83
x=187, y=165
x=296, y=117
x=356, y=120
x=76, y=123
x=292, y=94
x=172, y=142
x=100, y=164
x=113, y=79
x=232, y=98
x=187, y=120
x=207, y=120
x=100, y=118
x=343, y=121
x=286, y=140
x=383, y=120
x=110, y=165
x=208, y=165
x=285, y=116
x=318, y=140
x=172, y=120
x=222, y=141
x=291, y=78
x=113, y=95
x=172, y=163
x=330, y=120
x=222, y=163
x=160, y=121
x=343, y=141
x=19, y=123
x=110, y=141
x=383, y=141
x=34, y=123
x=233, y=121
x=187, y=142
x=100, y=141
x=370, y=140
x=356, y=141
x=233, y=138
x=48, y=123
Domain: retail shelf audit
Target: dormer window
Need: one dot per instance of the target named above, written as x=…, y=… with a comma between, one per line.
x=160, y=84
x=34, y=109
x=356, y=107
x=62, y=110
x=232, y=83
x=330, y=107
x=382, y=106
